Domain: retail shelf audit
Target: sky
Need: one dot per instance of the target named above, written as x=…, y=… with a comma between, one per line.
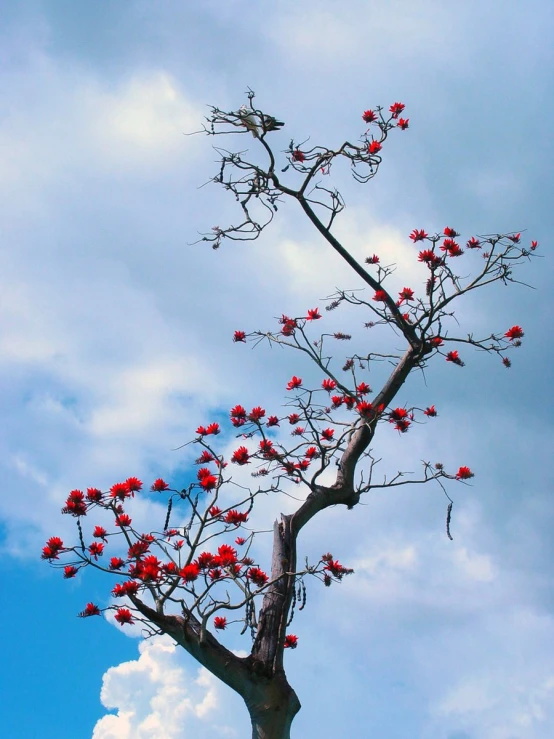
x=115, y=343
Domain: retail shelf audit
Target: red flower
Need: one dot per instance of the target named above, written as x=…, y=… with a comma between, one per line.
x=515, y=238
x=235, y=518
x=272, y=421
x=396, y=109
x=69, y=572
x=403, y=123
x=208, y=482
x=298, y=431
x=327, y=434
x=328, y=384
x=124, y=616
x=312, y=452
x=406, y=294
x=239, y=541
x=129, y=587
x=94, y=495
x=227, y=555
x=336, y=400
x=313, y=314
x=100, y=533
x=365, y=409
x=464, y=473
x=133, y=484
x=213, y=428
x=239, y=336
x=190, y=572
x=349, y=402
x=450, y=246
x=418, y=235
x=257, y=576
x=289, y=324
x=120, y=491
x=240, y=456
x=374, y=147
x=116, y=563
x=516, y=332
x=380, y=296
x=372, y=260
x=336, y=569
x=363, y=389
x=201, y=431
x=291, y=641
x=450, y=232
x=220, y=622
x=436, y=341
x=256, y=413
x=75, y=504
x=137, y=549
x=534, y=245
x=96, y=549
x=205, y=457
x=369, y=116
x=294, y=383
x=454, y=357
x=205, y=560
x=90, y=610
x=238, y=412
x=473, y=243
x=298, y=156
x=159, y=485
x=123, y=520
x=53, y=546
x=430, y=411
x=398, y=414
x=214, y=511
x=506, y=362
x=402, y=425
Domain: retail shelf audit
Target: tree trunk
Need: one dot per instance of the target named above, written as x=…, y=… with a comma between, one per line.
x=273, y=709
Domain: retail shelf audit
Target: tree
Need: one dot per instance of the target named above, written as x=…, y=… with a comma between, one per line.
x=176, y=579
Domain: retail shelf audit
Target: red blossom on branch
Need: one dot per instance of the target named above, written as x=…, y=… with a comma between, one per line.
x=294, y=383
x=90, y=610
x=516, y=332
x=328, y=384
x=372, y=260
x=369, y=116
x=291, y=641
x=430, y=411
x=240, y=456
x=418, y=235
x=380, y=296
x=159, y=485
x=327, y=434
x=454, y=358
x=396, y=109
x=313, y=314
x=374, y=147
x=239, y=336
x=464, y=473
x=220, y=622
x=403, y=123
x=298, y=156
x=124, y=616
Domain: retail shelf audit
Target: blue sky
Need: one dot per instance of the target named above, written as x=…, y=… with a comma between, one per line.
x=115, y=345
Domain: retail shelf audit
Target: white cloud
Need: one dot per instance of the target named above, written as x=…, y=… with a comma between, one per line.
x=158, y=697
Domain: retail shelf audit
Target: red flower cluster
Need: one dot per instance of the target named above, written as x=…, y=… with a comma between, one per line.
x=124, y=616
x=240, y=456
x=516, y=332
x=328, y=385
x=257, y=576
x=454, y=358
x=53, y=547
x=291, y=641
x=294, y=383
x=396, y=109
x=418, y=235
x=206, y=480
x=380, y=296
x=239, y=336
x=313, y=314
x=75, y=504
x=374, y=147
x=220, y=622
x=159, y=485
x=235, y=518
x=298, y=156
x=372, y=260
x=464, y=473
x=369, y=116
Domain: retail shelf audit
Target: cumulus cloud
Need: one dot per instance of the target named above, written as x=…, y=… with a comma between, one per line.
x=158, y=697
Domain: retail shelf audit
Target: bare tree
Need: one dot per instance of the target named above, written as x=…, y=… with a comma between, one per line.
x=179, y=581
